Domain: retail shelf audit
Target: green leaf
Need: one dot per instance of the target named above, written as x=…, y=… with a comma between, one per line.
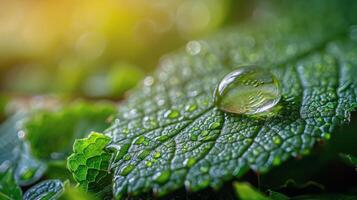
x=90, y=162
x=171, y=135
x=61, y=127
x=9, y=189
x=15, y=151
x=349, y=159
x=45, y=190
x=246, y=192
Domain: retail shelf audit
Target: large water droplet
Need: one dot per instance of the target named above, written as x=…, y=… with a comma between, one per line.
x=248, y=90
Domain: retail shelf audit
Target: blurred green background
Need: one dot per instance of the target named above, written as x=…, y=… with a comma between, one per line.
x=98, y=48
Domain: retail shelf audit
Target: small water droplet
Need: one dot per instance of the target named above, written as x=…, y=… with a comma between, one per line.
x=21, y=134
x=127, y=169
x=193, y=47
x=148, y=163
x=143, y=154
x=162, y=177
x=191, y=107
x=189, y=162
x=248, y=90
x=140, y=140
x=215, y=125
x=204, y=133
x=157, y=154
x=127, y=157
x=193, y=137
x=204, y=169
x=277, y=140
x=172, y=114
x=148, y=81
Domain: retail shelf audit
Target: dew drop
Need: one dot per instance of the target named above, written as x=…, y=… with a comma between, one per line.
x=193, y=137
x=248, y=90
x=157, y=154
x=148, y=163
x=162, y=177
x=189, y=162
x=127, y=169
x=193, y=47
x=172, y=114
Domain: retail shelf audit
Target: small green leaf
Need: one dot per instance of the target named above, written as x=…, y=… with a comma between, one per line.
x=9, y=189
x=90, y=163
x=246, y=192
x=61, y=127
x=45, y=190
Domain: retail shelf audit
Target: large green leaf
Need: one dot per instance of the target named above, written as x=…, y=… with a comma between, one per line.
x=169, y=134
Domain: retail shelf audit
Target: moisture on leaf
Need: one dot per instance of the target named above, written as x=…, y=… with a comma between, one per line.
x=171, y=135
x=15, y=151
x=50, y=189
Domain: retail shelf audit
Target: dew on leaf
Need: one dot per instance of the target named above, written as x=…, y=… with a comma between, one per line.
x=127, y=169
x=189, y=162
x=191, y=107
x=247, y=90
x=193, y=47
x=162, y=177
x=193, y=137
x=172, y=114
x=204, y=169
x=148, y=163
x=277, y=140
x=157, y=154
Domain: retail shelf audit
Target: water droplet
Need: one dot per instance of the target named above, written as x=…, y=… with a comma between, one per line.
x=215, y=125
x=248, y=90
x=204, y=133
x=148, y=81
x=193, y=47
x=162, y=177
x=327, y=136
x=204, y=169
x=140, y=140
x=172, y=114
x=191, y=107
x=148, y=163
x=189, y=162
x=127, y=157
x=277, y=140
x=127, y=169
x=143, y=154
x=157, y=154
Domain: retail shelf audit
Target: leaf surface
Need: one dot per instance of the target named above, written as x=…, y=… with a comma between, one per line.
x=170, y=134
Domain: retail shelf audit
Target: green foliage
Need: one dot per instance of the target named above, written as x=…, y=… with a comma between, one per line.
x=90, y=163
x=45, y=190
x=350, y=159
x=13, y=150
x=9, y=190
x=246, y=192
x=171, y=135
x=60, y=128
